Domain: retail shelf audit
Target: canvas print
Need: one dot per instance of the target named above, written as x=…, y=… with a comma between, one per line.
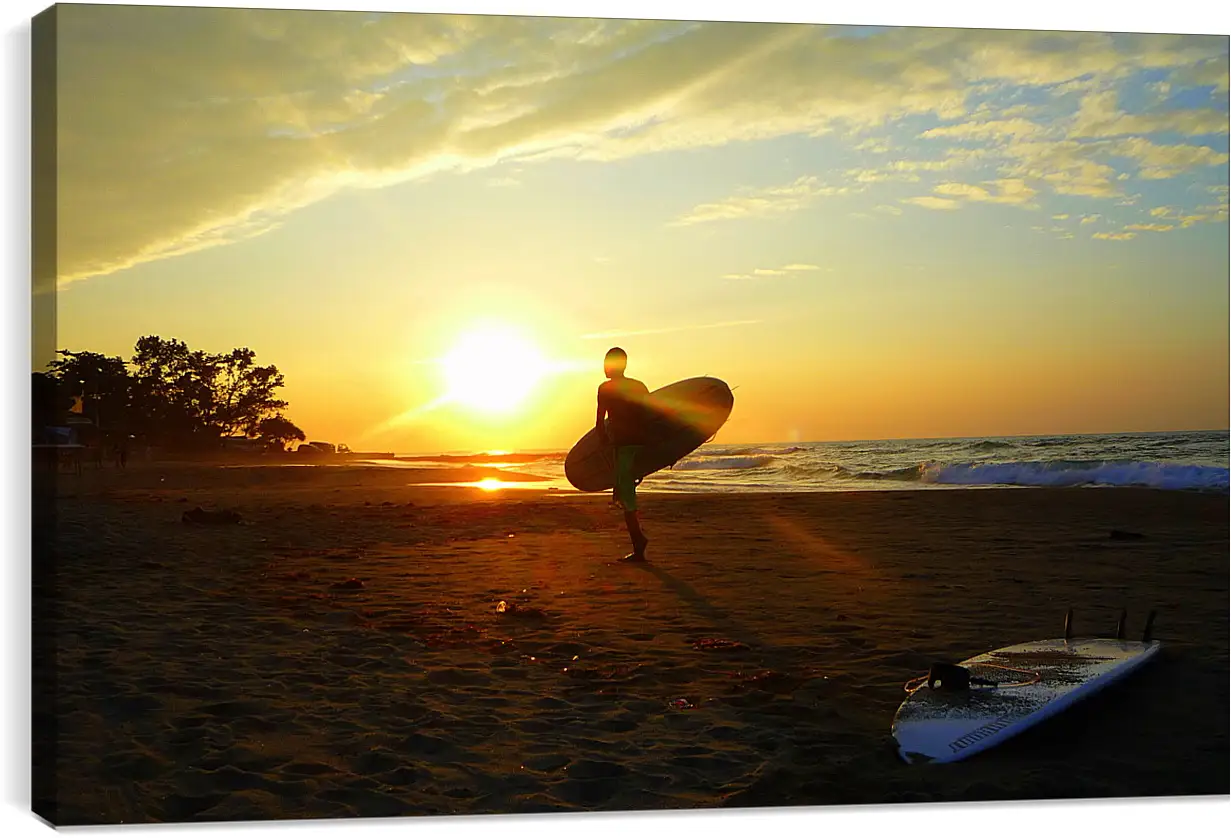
x=445, y=414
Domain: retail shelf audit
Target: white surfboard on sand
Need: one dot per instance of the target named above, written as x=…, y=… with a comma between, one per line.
x=1026, y=684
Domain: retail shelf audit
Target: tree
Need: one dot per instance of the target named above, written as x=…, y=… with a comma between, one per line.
x=278, y=431
x=102, y=382
x=172, y=390
x=243, y=393
x=198, y=397
x=169, y=394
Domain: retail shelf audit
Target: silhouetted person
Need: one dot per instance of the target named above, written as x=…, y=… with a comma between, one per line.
x=622, y=403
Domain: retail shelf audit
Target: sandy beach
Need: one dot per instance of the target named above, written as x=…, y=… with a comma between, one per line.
x=341, y=652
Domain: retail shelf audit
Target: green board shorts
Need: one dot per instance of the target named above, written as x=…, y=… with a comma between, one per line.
x=625, y=483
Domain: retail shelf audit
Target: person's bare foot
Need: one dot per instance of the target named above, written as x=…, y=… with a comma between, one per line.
x=638, y=554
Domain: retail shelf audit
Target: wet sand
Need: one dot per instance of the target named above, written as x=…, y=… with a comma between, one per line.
x=340, y=651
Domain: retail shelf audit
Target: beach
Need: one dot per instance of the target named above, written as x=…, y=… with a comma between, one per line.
x=341, y=650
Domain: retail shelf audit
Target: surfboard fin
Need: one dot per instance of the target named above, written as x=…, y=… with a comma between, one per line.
x=1068, y=625
x=1120, y=624
x=1149, y=629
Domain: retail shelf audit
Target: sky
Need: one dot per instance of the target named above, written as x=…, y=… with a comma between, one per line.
x=435, y=225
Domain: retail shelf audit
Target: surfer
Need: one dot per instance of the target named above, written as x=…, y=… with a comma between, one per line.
x=621, y=421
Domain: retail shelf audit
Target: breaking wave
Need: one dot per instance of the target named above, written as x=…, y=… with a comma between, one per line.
x=1173, y=476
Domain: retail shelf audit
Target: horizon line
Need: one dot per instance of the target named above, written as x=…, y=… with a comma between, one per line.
x=474, y=452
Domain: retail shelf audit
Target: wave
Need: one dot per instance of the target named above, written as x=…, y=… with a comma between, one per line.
x=815, y=470
x=904, y=473
x=838, y=472
x=1173, y=476
x=754, y=451
x=1055, y=473
x=992, y=445
x=724, y=463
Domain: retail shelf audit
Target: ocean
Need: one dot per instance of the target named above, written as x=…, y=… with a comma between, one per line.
x=1185, y=461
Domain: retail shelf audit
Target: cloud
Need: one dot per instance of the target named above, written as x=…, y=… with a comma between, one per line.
x=1158, y=162
x=759, y=203
x=1007, y=191
x=889, y=210
x=1211, y=72
x=963, y=190
x=252, y=114
x=879, y=175
x=1157, y=228
x=932, y=202
x=1065, y=166
x=1093, y=218
x=785, y=270
x=906, y=171
x=1061, y=217
x=997, y=129
x=1115, y=237
x=1100, y=116
x=956, y=157
x=624, y=333
x=1076, y=156
x=876, y=145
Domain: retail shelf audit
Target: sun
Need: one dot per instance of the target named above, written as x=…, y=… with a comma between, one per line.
x=492, y=368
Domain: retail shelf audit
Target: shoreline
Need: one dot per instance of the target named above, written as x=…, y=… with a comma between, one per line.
x=137, y=474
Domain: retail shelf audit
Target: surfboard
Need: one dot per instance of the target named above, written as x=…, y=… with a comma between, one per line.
x=683, y=416
x=1028, y=683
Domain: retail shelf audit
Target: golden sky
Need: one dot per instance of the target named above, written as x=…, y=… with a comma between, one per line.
x=872, y=231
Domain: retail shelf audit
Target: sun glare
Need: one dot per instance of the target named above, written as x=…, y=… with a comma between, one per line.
x=492, y=369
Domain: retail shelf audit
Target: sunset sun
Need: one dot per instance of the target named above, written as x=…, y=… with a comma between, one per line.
x=492, y=369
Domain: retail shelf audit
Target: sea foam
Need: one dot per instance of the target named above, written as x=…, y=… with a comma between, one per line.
x=1174, y=476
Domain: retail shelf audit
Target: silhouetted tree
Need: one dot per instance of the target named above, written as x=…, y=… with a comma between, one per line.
x=102, y=382
x=169, y=394
x=173, y=392
x=197, y=397
x=243, y=393
x=277, y=432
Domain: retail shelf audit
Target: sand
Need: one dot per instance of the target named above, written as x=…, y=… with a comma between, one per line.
x=340, y=652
